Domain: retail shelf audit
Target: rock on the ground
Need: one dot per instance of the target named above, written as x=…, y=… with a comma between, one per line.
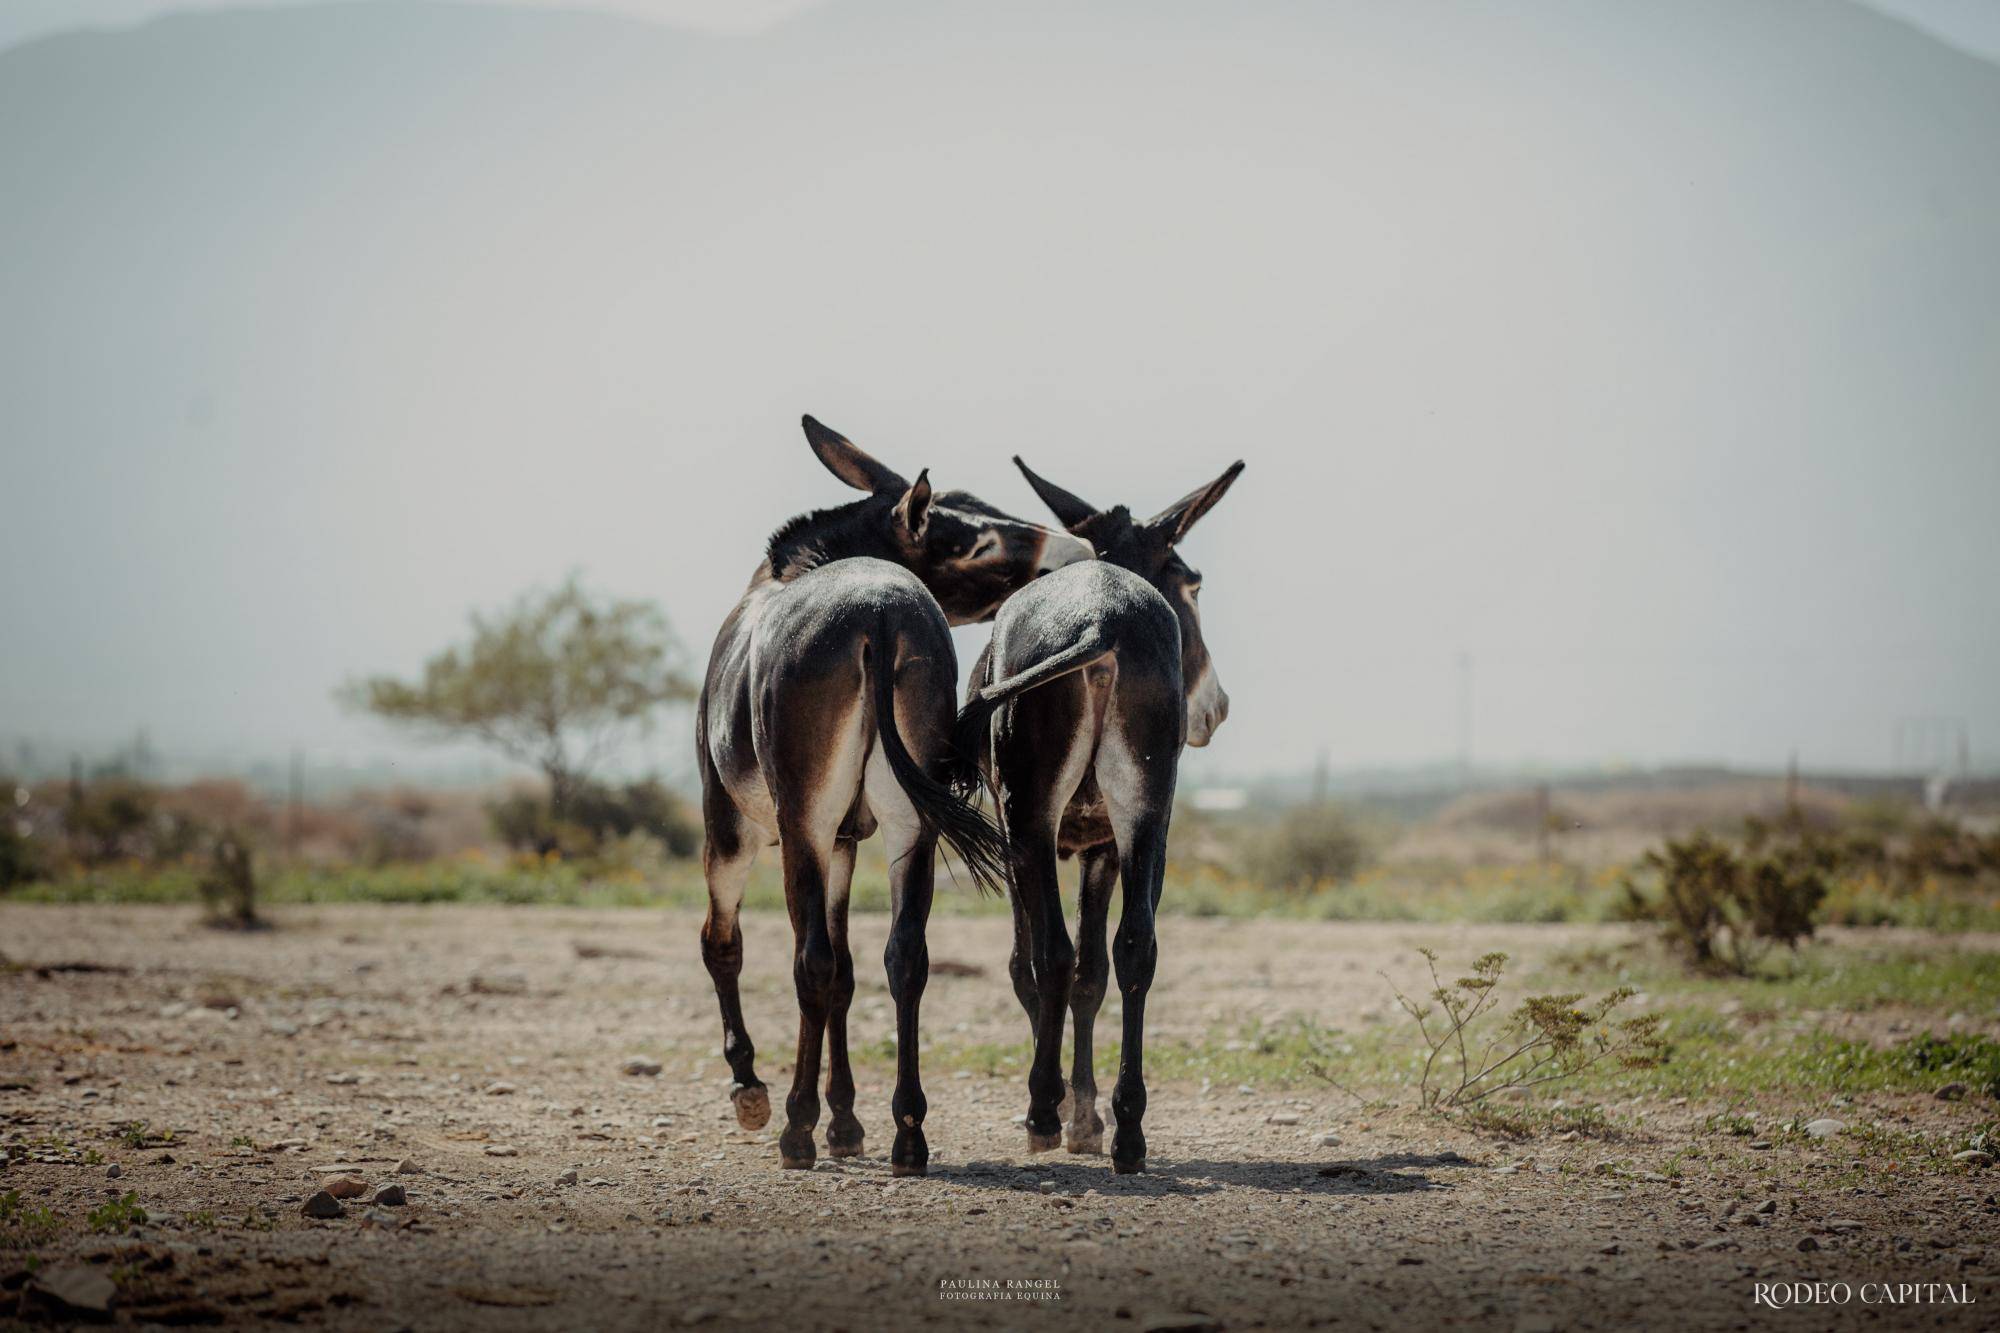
x=77, y=1286
x=322, y=1204
x=567, y=1178
x=1282, y=1118
x=344, y=1187
x=501, y=1150
x=1973, y=1157
x=501, y=1088
x=406, y=1167
x=641, y=1066
x=392, y=1196
x=1179, y=1321
x=1951, y=1092
x=1825, y=1127
x=1808, y=1243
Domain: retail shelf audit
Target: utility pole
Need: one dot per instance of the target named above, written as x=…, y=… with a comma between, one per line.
x=295, y=805
x=1464, y=720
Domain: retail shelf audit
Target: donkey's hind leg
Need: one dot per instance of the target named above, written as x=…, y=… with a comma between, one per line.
x=843, y=1132
x=727, y=856
x=1139, y=794
x=1084, y=1131
x=911, y=845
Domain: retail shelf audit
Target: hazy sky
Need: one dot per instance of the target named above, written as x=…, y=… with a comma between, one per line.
x=1648, y=353
x=1972, y=25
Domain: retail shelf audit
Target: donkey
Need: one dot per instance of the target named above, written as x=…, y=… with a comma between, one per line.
x=827, y=710
x=1077, y=712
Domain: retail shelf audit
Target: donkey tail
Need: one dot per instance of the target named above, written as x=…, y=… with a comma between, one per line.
x=948, y=808
x=969, y=733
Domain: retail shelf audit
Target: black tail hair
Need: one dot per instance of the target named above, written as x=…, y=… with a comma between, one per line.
x=969, y=733
x=945, y=805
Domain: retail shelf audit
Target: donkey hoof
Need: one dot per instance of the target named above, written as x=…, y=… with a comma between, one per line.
x=911, y=1155
x=844, y=1138
x=795, y=1149
x=1043, y=1142
x=1135, y=1167
x=1085, y=1143
x=753, y=1105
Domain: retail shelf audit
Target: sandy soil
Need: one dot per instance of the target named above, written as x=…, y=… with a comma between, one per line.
x=484, y=1047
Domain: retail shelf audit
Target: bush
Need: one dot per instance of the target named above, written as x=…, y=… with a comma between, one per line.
x=1312, y=845
x=21, y=860
x=1724, y=911
x=229, y=889
x=598, y=816
x=1472, y=1051
x=1966, y=1057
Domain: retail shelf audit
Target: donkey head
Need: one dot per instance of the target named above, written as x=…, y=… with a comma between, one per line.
x=969, y=554
x=1148, y=550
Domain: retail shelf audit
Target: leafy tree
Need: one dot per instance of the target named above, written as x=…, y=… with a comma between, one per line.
x=554, y=681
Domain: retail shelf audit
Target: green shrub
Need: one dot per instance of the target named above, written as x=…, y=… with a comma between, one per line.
x=1724, y=911
x=1966, y=1057
x=1311, y=845
x=23, y=1226
x=229, y=889
x=597, y=815
x=21, y=859
x=116, y=1215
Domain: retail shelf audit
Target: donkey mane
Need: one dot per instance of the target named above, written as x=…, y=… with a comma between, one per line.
x=822, y=536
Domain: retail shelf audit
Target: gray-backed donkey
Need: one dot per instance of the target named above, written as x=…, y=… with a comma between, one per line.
x=827, y=711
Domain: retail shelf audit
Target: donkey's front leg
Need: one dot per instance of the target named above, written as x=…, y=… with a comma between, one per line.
x=1085, y=1129
x=843, y=1132
x=813, y=973
x=726, y=859
x=912, y=878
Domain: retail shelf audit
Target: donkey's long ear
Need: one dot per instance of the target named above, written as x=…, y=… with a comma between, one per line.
x=1068, y=509
x=848, y=463
x=913, y=511
x=1175, y=520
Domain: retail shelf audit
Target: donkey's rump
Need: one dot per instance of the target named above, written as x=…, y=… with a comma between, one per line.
x=816, y=655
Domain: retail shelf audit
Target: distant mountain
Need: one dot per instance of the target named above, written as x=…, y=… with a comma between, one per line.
x=1650, y=351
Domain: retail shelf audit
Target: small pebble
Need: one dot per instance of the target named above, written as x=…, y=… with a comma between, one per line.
x=344, y=1187
x=322, y=1205
x=641, y=1066
x=391, y=1196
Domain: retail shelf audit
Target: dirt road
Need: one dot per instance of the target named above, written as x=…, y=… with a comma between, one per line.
x=484, y=1048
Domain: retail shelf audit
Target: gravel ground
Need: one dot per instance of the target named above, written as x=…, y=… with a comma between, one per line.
x=482, y=1051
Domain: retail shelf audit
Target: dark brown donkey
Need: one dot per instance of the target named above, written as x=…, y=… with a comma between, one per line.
x=1078, y=709
x=827, y=710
